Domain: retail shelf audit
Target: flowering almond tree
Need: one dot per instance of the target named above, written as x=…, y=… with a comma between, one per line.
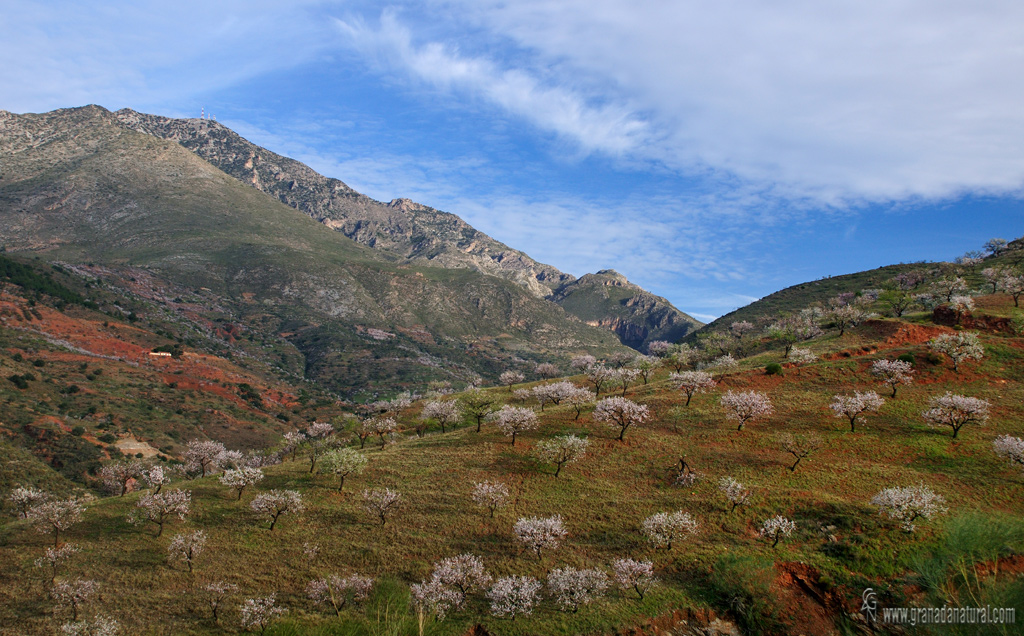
x=1011, y=449
x=664, y=528
x=909, y=504
x=275, y=503
x=539, y=534
x=74, y=594
x=381, y=502
x=621, y=413
x=734, y=491
x=776, y=528
x=956, y=411
x=693, y=382
x=893, y=373
x=746, y=406
x=600, y=375
x=159, y=508
x=187, y=547
x=383, y=427
x=490, y=495
x=241, y=478
x=511, y=378
x=562, y=450
x=53, y=558
x=959, y=347
x=512, y=420
x=635, y=575
x=853, y=406
x=579, y=398
x=259, y=613
x=433, y=597
x=203, y=456
x=24, y=498
x=444, y=412
x=343, y=462
x=514, y=596
x=116, y=476
x=55, y=516
x=216, y=593
x=156, y=478
x=460, y=576
x=572, y=588
x=339, y=590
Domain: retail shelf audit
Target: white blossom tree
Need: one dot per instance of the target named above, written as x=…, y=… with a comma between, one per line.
x=444, y=412
x=853, y=406
x=203, y=456
x=1012, y=284
x=56, y=516
x=513, y=596
x=579, y=398
x=274, y=503
x=692, y=382
x=572, y=588
x=600, y=375
x=909, y=504
x=665, y=528
x=383, y=427
x=241, y=478
x=583, y=362
x=540, y=533
x=381, y=502
x=679, y=357
x=99, y=625
x=630, y=574
x=799, y=446
x=659, y=348
x=961, y=306
x=776, y=528
x=513, y=420
x=292, y=441
x=746, y=406
x=117, y=475
x=959, y=347
x=187, y=547
x=55, y=557
x=801, y=356
x=343, y=462
x=217, y=592
x=259, y=613
x=547, y=370
x=1011, y=449
x=156, y=477
x=562, y=450
x=734, y=491
x=433, y=597
x=621, y=413
x=511, y=378
x=893, y=373
x=645, y=366
x=462, y=575
x=24, y=498
x=74, y=594
x=490, y=495
x=339, y=591
x=158, y=509
x=956, y=411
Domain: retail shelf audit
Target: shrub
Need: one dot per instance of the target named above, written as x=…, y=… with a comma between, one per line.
x=906, y=357
x=773, y=368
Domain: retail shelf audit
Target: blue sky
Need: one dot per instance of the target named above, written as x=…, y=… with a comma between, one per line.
x=711, y=152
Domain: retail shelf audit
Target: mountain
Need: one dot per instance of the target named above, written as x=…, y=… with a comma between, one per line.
x=418, y=233
x=80, y=187
x=607, y=299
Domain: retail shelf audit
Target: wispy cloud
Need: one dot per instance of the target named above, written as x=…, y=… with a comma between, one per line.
x=831, y=103
x=611, y=127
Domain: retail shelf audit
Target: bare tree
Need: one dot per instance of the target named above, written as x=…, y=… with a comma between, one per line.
x=799, y=446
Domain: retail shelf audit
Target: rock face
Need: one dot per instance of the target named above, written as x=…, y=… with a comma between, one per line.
x=607, y=299
x=407, y=229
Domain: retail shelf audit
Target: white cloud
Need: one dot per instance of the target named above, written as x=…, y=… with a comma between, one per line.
x=834, y=103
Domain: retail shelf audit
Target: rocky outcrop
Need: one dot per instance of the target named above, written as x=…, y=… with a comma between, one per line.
x=403, y=227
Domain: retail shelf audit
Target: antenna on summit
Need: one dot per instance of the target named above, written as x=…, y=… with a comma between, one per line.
x=202, y=113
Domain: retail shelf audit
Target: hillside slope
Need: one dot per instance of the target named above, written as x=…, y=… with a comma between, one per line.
x=80, y=187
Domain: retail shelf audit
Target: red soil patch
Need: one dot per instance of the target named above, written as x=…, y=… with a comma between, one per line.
x=808, y=606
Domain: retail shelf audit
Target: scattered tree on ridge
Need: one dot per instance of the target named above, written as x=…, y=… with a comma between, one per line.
x=259, y=613
x=511, y=378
